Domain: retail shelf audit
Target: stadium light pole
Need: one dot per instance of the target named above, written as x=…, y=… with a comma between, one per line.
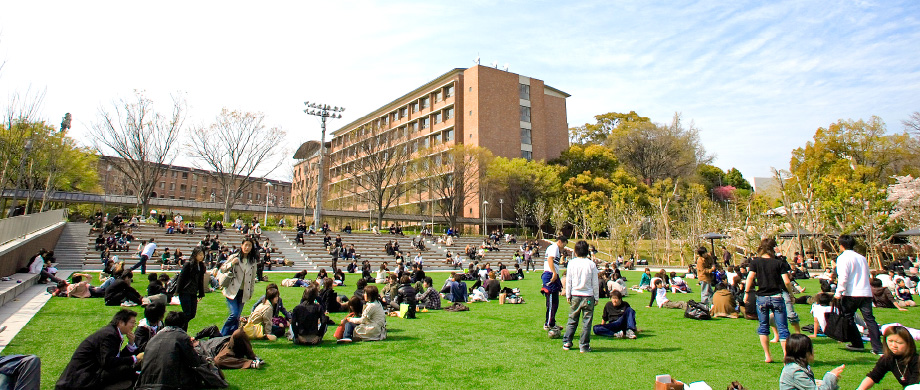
x=268, y=187
x=485, y=204
x=323, y=111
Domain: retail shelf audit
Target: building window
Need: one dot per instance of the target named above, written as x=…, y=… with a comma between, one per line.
x=182, y=187
x=205, y=179
x=448, y=113
x=436, y=117
x=412, y=128
x=194, y=189
x=525, y=137
x=402, y=112
x=525, y=92
x=185, y=175
x=162, y=185
x=527, y=154
x=471, y=112
x=194, y=177
x=449, y=135
x=425, y=142
x=423, y=102
x=437, y=96
x=423, y=123
x=383, y=121
x=525, y=114
x=413, y=108
x=172, y=186
x=448, y=91
x=175, y=174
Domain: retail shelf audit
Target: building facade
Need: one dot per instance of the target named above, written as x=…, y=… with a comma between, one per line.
x=185, y=183
x=512, y=116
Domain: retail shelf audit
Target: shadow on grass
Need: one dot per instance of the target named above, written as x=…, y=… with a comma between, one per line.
x=616, y=349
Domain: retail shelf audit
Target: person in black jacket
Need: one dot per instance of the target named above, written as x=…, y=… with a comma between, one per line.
x=329, y=299
x=170, y=359
x=309, y=320
x=190, y=286
x=406, y=294
x=121, y=291
x=97, y=363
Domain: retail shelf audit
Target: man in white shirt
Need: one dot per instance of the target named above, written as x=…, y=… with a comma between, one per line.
x=854, y=293
x=551, y=283
x=581, y=292
x=146, y=254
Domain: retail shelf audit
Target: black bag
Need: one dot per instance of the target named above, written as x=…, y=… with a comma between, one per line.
x=838, y=327
x=210, y=377
x=172, y=286
x=697, y=311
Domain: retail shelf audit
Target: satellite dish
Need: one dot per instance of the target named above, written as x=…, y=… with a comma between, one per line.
x=306, y=150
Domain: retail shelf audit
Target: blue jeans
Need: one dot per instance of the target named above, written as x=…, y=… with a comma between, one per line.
x=349, y=332
x=791, y=315
x=581, y=307
x=706, y=293
x=233, y=321
x=777, y=305
x=626, y=322
x=142, y=264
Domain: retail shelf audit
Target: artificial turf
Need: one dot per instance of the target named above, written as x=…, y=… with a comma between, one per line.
x=490, y=346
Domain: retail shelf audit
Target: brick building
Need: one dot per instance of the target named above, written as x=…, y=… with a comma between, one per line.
x=185, y=183
x=513, y=116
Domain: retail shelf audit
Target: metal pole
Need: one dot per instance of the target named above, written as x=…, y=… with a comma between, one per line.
x=501, y=210
x=317, y=211
x=268, y=187
x=484, y=204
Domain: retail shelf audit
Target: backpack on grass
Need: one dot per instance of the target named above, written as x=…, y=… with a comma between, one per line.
x=697, y=311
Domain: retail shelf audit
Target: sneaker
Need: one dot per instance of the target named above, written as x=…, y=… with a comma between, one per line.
x=566, y=346
x=630, y=334
x=584, y=349
x=343, y=341
x=618, y=335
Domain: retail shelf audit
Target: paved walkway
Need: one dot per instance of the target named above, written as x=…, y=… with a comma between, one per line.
x=14, y=315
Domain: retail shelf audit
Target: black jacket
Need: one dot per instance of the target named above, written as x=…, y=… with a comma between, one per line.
x=97, y=362
x=191, y=279
x=119, y=292
x=169, y=362
x=307, y=319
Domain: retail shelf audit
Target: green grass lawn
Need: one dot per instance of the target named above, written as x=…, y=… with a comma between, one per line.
x=491, y=346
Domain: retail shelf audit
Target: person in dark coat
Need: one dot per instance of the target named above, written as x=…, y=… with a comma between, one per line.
x=406, y=294
x=98, y=364
x=329, y=299
x=170, y=359
x=309, y=319
x=121, y=291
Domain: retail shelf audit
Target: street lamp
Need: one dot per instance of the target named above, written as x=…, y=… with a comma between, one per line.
x=323, y=111
x=501, y=215
x=268, y=187
x=484, y=204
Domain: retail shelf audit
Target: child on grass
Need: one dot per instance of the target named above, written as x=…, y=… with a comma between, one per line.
x=660, y=297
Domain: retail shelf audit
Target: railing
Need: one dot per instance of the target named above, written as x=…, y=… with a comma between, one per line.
x=16, y=227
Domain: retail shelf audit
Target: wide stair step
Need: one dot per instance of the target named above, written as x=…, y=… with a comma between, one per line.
x=71, y=246
x=290, y=250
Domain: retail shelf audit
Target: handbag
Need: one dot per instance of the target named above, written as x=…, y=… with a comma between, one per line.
x=210, y=377
x=697, y=311
x=225, y=277
x=837, y=326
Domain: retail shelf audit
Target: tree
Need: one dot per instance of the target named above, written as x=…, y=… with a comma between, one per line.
x=580, y=158
x=541, y=213
x=904, y=195
x=600, y=131
x=521, y=211
x=912, y=124
x=457, y=182
x=711, y=176
x=520, y=180
x=143, y=138
x=379, y=169
x=654, y=152
x=734, y=178
x=559, y=215
x=234, y=147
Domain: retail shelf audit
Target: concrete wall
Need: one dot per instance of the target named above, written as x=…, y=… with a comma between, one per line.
x=19, y=255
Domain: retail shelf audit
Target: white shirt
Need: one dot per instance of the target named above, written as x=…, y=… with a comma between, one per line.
x=551, y=251
x=819, y=311
x=581, y=279
x=37, y=265
x=149, y=249
x=853, y=275
x=661, y=296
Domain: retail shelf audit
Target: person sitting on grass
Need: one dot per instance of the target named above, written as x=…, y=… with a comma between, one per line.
x=259, y=325
x=382, y=274
x=797, y=374
x=882, y=296
x=279, y=310
x=723, y=302
x=170, y=359
x=371, y=325
x=430, y=299
x=454, y=289
x=97, y=363
x=121, y=291
x=646, y=282
x=493, y=286
x=150, y=325
x=679, y=285
x=619, y=319
x=899, y=357
x=406, y=294
x=660, y=297
x=390, y=290
x=903, y=295
x=330, y=300
x=309, y=319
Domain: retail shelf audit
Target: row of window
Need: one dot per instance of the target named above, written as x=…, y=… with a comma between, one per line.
x=413, y=107
x=405, y=131
x=405, y=149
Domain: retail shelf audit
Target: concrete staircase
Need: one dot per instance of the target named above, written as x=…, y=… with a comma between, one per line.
x=71, y=246
x=291, y=251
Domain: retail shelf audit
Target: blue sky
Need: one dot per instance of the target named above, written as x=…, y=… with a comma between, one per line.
x=758, y=78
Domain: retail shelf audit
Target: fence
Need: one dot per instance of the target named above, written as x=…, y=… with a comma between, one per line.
x=16, y=227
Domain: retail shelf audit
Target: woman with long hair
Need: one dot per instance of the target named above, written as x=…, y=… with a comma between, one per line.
x=900, y=358
x=768, y=273
x=240, y=280
x=190, y=287
x=797, y=374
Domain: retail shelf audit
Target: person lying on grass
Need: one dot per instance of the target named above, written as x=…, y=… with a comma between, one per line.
x=660, y=297
x=619, y=319
x=371, y=325
x=797, y=374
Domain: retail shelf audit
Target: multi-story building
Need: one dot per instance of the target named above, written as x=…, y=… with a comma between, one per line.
x=511, y=115
x=185, y=183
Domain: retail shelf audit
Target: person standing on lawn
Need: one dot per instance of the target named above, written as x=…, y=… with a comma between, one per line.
x=854, y=292
x=190, y=287
x=146, y=254
x=552, y=285
x=581, y=292
x=705, y=264
x=768, y=273
x=241, y=269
